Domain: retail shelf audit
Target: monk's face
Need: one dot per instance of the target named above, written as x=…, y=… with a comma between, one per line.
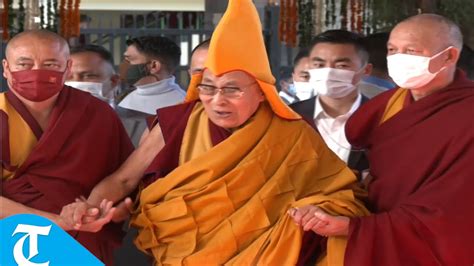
x=236, y=99
x=197, y=61
x=420, y=38
x=29, y=53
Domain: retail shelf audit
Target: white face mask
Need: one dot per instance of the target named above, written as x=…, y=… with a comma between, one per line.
x=332, y=82
x=303, y=90
x=411, y=71
x=97, y=89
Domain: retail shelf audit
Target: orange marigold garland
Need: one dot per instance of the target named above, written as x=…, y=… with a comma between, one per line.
x=292, y=24
x=288, y=24
x=69, y=21
x=353, y=15
x=76, y=19
x=282, y=22
x=360, y=10
x=62, y=18
x=5, y=35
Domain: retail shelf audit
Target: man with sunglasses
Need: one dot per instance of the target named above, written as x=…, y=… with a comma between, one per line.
x=220, y=178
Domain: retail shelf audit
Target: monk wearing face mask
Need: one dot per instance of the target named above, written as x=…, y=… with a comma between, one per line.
x=57, y=142
x=420, y=139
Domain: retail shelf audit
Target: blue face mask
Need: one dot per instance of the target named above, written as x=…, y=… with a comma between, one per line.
x=292, y=89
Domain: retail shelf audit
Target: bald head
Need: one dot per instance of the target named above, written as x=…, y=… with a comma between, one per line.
x=443, y=30
x=34, y=37
x=424, y=37
x=36, y=49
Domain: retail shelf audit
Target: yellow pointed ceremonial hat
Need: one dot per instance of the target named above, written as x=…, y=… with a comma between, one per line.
x=237, y=44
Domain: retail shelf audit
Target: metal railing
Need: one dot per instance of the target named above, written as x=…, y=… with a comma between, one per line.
x=115, y=41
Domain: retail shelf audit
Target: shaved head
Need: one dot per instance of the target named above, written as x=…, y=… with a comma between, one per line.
x=41, y=36
x=447, y=31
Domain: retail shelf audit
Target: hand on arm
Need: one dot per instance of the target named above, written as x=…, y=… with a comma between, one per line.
x=313, y=218
x=123, y=181
x=84, y=217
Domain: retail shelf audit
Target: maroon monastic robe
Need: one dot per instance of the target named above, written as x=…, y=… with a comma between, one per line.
x=84, y=142
x=422, y=163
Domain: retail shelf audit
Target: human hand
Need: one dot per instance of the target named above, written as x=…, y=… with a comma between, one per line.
x=75, y=213
x=106, y=212
x=123, y=210
x=313, y=218
x=80, y=215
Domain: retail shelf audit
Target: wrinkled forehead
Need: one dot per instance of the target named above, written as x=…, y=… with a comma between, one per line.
x=31, y=47
x=235, y=78
x=421, y=33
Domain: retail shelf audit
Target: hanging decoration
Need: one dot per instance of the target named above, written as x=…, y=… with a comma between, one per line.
x=288, y=24
x=76, y=18
x=42, y=17
x=319, y=16
x=5, y=20
x=305, y=20
x=55, y=16
x=62, y=18
x=21, y=15
x=69, y=20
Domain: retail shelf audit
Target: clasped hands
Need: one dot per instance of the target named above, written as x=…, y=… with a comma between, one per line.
x=314, y=218
x=82, y=216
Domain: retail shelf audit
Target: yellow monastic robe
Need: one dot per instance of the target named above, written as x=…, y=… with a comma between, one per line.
x=228, y=204
x=21, y=137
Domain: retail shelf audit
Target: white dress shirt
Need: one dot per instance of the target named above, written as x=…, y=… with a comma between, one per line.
x=332, y=128
x=149, y=97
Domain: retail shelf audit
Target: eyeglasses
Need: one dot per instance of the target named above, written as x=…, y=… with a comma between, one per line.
x=228, y=92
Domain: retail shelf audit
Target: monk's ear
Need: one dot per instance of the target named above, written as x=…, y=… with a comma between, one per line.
x=453, y=55
x=6, y=68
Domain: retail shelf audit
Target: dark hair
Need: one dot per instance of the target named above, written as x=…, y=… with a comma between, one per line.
x=160, y=48
x=376, y=45
x=466, y=61
x=203, y=45
x=343, y=37
x=302, y=53
x=286, y=73
x=99, y=50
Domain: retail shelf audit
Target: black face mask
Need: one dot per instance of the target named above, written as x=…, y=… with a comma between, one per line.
x=136, y=72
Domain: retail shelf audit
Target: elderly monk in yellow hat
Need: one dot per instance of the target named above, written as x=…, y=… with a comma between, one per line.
x=222, y=170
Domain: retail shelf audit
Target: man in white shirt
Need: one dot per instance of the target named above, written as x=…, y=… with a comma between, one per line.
x=338, y=61
x=155, y=59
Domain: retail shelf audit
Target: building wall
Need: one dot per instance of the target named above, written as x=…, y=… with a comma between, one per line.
x=144, y=5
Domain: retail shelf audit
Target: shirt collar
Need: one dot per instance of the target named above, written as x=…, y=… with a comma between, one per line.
x=158, y=87
x=319, y=110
